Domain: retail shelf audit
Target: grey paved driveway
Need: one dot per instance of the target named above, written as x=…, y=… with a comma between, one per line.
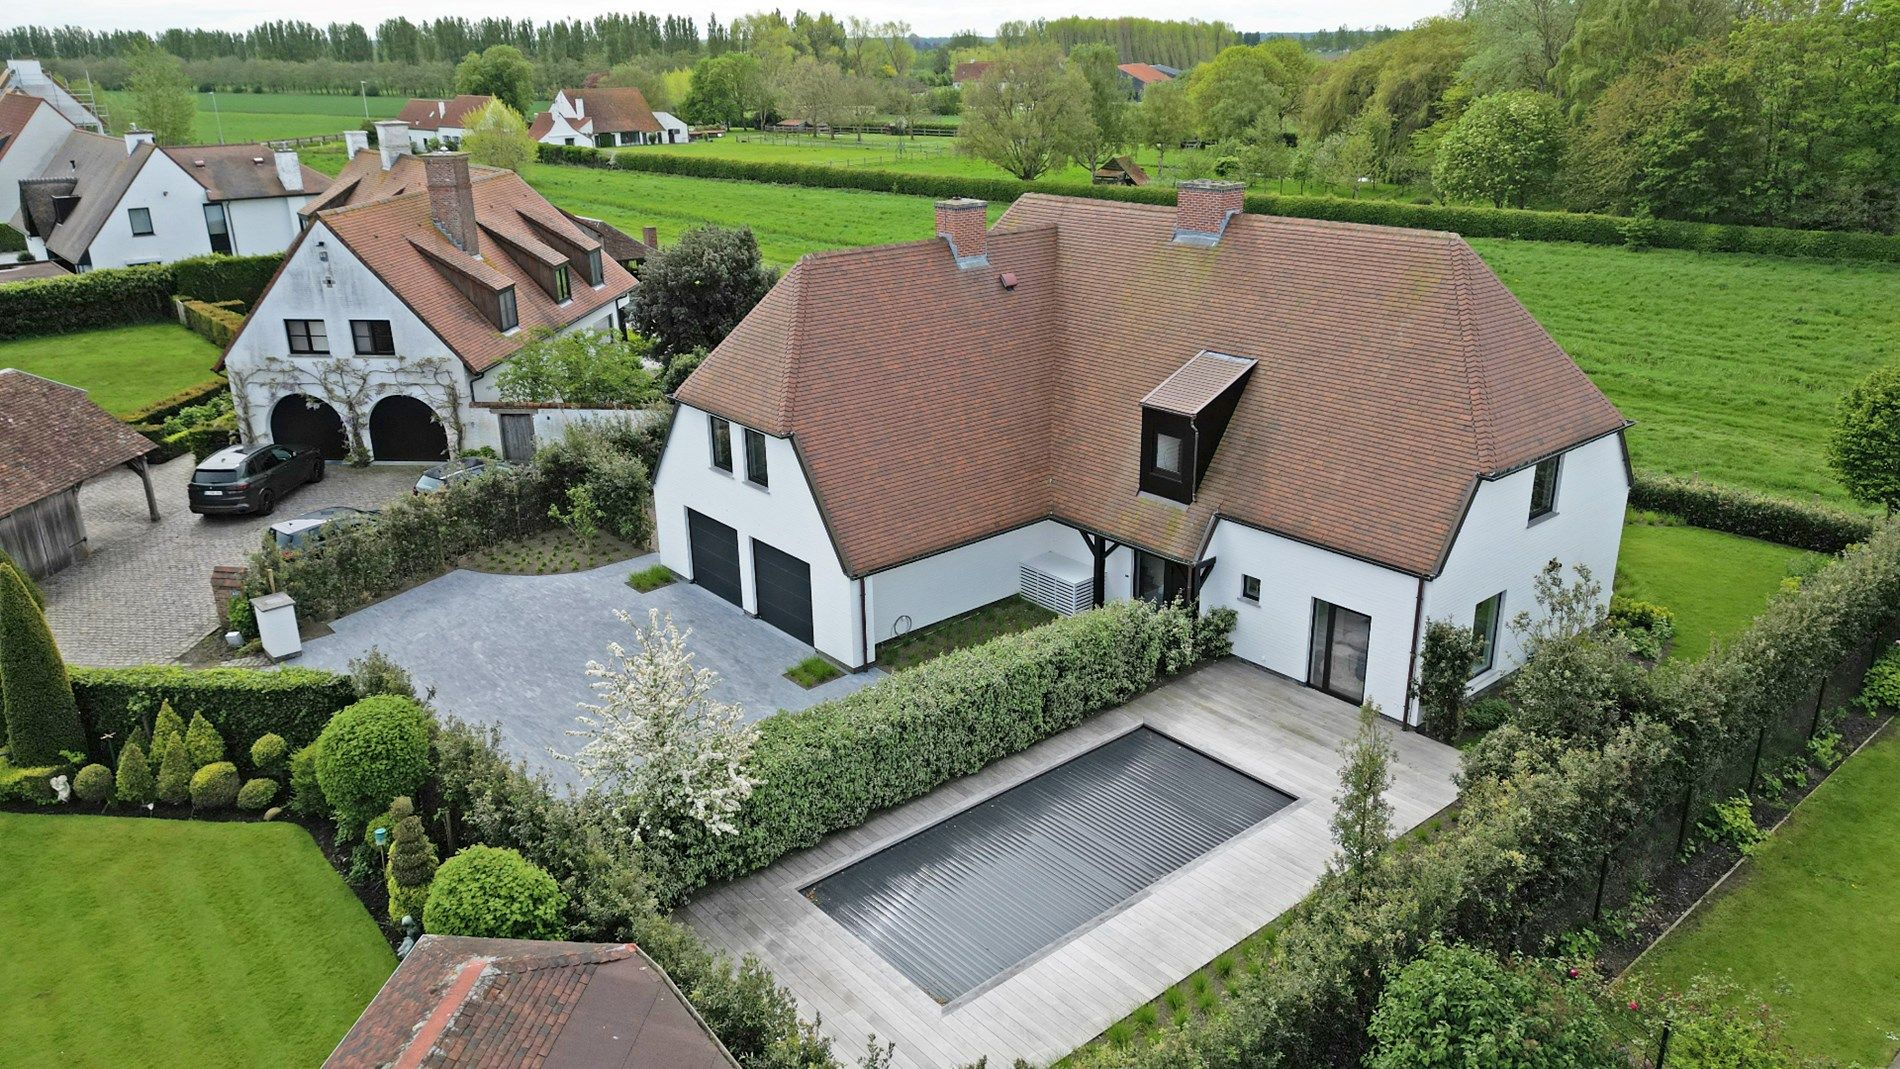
x=144, y=595
x=513, y=649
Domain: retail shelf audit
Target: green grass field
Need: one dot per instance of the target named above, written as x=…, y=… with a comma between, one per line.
x=123, y=369
x=1811, y=925
x=134, y=941
x=1715, y=582
x=243, y=117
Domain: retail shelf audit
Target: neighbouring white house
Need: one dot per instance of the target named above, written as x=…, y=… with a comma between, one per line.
x=1339, y=431
x=31, y=130
x=28, y=76
x=113, y=202
x=441, y=123
x=414, y=280
x=605, y=118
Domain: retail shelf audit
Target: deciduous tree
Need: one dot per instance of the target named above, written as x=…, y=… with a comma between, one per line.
x=1865, y=449
x=1108, y=103
x=1026, y=114
x=1362, y=818
x=583, y=367
x=1505, y=149
x=162, y=99
x=500, y=71
x=694, y=291
x=497, y=137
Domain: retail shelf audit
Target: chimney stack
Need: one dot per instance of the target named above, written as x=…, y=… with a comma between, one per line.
x=134, y=137
x=965, y=223
x=392, y=139
x=289, y=169
x=354, y=141
x=1202, y=208
x=452, y=199
x=651, y=236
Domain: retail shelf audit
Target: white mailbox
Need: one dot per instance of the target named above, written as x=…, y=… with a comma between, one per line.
x=277, y=625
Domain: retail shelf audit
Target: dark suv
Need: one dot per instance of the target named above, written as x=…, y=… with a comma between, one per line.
x=252, y=478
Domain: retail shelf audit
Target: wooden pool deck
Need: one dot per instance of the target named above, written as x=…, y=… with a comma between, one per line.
x=1272, y=729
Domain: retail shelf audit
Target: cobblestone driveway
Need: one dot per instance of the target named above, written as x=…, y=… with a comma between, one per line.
x=144, y=595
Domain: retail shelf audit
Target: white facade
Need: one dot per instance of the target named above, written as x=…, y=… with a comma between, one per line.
x=263, y=224
x=564, y=132
x=174, y=203
x=28, y=154
x=674, y=131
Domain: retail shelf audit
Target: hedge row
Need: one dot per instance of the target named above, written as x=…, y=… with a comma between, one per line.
x=1472, y=222
x=161, y=410
x=832, y=765
x=117, y=296
x=1800, y=524
x=242, y=703
x=216, y=322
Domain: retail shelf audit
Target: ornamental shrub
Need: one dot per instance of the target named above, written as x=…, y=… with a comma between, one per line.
x=203, y=742
x=256, y=794
x=42, y=718
x=1445, y=659
x=1648, y=626
x=93, y=783
x=1880, y=689
x=371, y=752
x=1455, y=1006
x=268, y=754
x=1866, y=440
x=494, y=893
x=134, y=785
x=166, y=726
x=215, y=786
x=412, y=864
x=306, y=794
x=174, y=772
x=32, y=588
x=241, y=703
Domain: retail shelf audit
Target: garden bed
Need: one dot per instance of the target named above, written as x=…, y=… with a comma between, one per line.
x=973, y=628
x=551, y=552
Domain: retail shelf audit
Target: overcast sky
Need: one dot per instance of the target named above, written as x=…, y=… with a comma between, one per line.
x=932, y=19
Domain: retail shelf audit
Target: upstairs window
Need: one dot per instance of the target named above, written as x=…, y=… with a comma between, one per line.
x=594, y=275
x=1544, y=487
x=372, y=337
x=563, y=290
x=307, y=336
x=1168, y=455
x=141, y=219
x=218, y=227
x=721, y=444
x=1484, y=624
x=755, y=470
x=510, y=318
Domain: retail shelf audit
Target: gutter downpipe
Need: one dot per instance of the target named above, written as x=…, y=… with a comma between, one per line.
x=1411, y=667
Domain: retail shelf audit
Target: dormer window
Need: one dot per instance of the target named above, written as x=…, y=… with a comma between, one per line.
x=510, y=319
x=594, y=275
x=563, y=290
x=1167, y=455
x=1182, y=421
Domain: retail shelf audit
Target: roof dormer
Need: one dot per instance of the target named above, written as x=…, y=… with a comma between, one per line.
x=1182, y=421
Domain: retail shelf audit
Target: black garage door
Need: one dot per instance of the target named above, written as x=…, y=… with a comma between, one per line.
x=715, y=556
x=784, y=585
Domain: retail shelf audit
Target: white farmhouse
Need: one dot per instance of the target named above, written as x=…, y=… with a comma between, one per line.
x=1340, y=431
x=441, y=123
x=415, y=279
x=605, y=118
x=109, y=202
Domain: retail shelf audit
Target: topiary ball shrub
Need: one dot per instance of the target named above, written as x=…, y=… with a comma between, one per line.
x=306, y=794
x=370, y=753
x=495, y=893
x=268, y=754
x=214, y=786
x=257, y=794
x=93, y=783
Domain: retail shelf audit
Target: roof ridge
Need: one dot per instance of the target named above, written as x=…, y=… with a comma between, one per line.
x=795, y=346
x=1476, y=387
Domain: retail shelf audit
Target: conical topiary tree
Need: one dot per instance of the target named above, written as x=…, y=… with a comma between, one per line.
x=135, y=785
x=412, y=863
x=32, y=588
x=42, y=717
x=166, y=725
x=203, y=742
x=174, y=773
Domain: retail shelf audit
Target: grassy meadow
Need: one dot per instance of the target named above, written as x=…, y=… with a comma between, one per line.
x=122, y=369
x=241, y=117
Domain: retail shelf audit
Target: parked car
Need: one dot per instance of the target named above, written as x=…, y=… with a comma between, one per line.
x=311, y=528
x=459, y=470
x=252, y=478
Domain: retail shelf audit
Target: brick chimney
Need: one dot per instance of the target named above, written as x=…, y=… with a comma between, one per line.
x=392, y=138
x=354, y=141
x=452, y=199
x=650, y=236
x=966, y=223
x=1203, y=206
x=135, y=137
x=289, y=169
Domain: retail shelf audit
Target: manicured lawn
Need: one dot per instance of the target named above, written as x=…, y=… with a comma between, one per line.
x=122, y=369
x=973, y=628
x=1812, y=924
x=1731, y=365
x=134, y=941
x=264, y=116
x=1715, y=582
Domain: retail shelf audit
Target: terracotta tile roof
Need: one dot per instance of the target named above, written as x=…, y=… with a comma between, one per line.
x=932, y=406
x=363, y=180
x=1197, y=383
x=970, y=72
x=16, y=110
x=614, y=111
x=241, y=172
x=430, y=115
x=390, y=235
x=458, y=1001
x=543, y=122
x=52, y=438
x=617, y=243
x=1146, y=73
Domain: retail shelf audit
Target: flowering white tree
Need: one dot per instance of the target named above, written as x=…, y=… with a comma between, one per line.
x=660, y=739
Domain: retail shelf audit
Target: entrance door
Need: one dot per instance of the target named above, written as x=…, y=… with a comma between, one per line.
x=783, y=583
x=1341, y=641
x=715, y=556
x=517, y=437
x=1160, y=580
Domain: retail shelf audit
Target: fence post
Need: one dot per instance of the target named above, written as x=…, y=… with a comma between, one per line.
x=1754, y=766
x=1820, y=700
x=1662, y=1048
x=1603, y=877
x=1682, y=832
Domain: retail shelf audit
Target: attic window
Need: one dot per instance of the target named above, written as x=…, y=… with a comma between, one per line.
x=1168, y=454
x=594, y=275
x=1182, y=421
x=563, y=288
x=509, y=317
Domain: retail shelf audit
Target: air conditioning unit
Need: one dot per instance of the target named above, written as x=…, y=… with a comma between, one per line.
x=1058, y=583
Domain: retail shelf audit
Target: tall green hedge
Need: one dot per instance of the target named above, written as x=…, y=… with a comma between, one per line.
x=243, y=704
x=42, y=721
x=1472, y=222
x=225, y=278
x=116, y=296
x=1803, y=525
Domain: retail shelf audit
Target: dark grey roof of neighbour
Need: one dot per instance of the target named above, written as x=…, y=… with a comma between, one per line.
x=101, y=170
x=19, y=272
x=241, y=172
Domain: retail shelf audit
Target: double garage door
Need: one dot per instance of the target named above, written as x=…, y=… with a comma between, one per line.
x=781, y=581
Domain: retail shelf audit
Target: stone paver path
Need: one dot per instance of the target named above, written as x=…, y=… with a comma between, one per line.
x=144, y=595
x=513, y=649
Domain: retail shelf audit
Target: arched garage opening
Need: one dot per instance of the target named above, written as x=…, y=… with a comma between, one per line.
x=300, y=419
x=403, y=428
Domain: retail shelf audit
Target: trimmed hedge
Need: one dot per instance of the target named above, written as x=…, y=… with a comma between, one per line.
x=831, y=766
x=116, y=296
x=369, y=753
x=1800, y=524
x=243, y=704
x=225, y=278
x=156, y=413
x=1472, y=222
x=494, y=893
x=215, y=786
x=216, y=323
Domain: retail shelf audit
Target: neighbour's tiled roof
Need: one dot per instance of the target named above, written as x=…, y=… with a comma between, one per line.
x=933, y=406
x=614, y=111
x=16, y=110
x=1145, y=73
x=432, y=114
x=543, y=122
x=23, y=272
x=616, y=243
x=53, y=438
x=241, y=172
x=970, y=72
x=461, y=1001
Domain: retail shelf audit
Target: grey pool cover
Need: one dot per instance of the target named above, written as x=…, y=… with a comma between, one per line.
x=966, y=899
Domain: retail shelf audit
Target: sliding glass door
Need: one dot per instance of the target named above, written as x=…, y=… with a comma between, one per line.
x=1341, y=641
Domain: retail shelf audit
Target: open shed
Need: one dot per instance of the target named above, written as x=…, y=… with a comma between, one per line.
x=52, y=439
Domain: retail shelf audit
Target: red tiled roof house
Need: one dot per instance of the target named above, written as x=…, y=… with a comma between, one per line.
x=1340, y=431
x=606, y=117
